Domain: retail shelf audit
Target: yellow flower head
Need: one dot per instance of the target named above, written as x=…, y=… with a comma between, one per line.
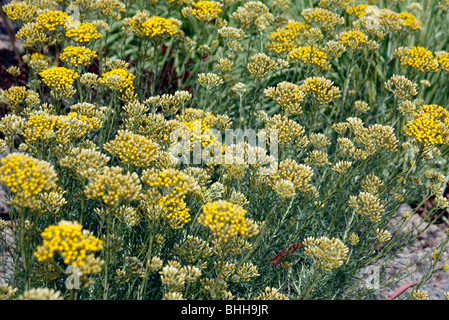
x=118, y=79
x=253, y=14
x=420, y=295
x=134, y=149
x=326, y=19
x=83, y=32
x=320, y=89
x=19, y=97
x=358, y=10
x=286, y=38
x=410, y=21
x=20, y=11
x=113, y=186
x=430, y=125
x=38, y=127
x=443, y=59
x=260, y=65
x=310, y=55
x=226, y=220
x=170, y=188
x=287, y=95
x=206, y=10
x=352, y=36
x=24, y=174
x=271, y=294
x=418, y=58
x=74, y=126
x=77, y=56
x=383, y=235
x=68, y=239
x=299, y=174
x=58, y=77
x=157, y=27
x=329, y=253
x=52, y=20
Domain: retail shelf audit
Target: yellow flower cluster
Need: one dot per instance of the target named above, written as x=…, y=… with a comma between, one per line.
x=354, y=39
x=52, y=20
x=37, y=59
x=286, y=38
x=77, y=56
x=42, y=126
x=371, y=139
x=206, y=10
x=401, y=87
x=430, y=125
x=326, y=19
x=388, y=19
x=310, y=55
x=288, y=132
x=74, y=126
x=342, y=166
x=58, y=77
x=443, y=59
x=299, y=174
x=232, y=37
x=383, y=235
x=20, y=11
x=260, y=65
x=38, y=127
x=83, y=32
x=70, y=241
x=209, y=80
x=418, y=58
x=226, y=220
x=134, y=149
x=23, y=174
x=271, y=294
x=156, y=27
x=253, y=14
x=358, y=10
x=317, y=158
x=172, y=180
x=113, y=186
x=288, y=96
x=420, y=295
x=84, y=163
x=118, y=79
x=109, y=8
x=353, y=239
x=199, y=132
x=194, y=250
x=321, y=90
x=33, y=36
x=18, y=97
x=410, y=21
x=173, y=186
x=14, y=71
x=329, y=253
x=367, y=204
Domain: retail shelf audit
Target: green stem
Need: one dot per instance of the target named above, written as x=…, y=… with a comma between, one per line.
x=310, y=286
x=23, y=252
x=156, y=66
x=108, y=246
x=255, y=101
x=345, y=88
x=147, y=257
